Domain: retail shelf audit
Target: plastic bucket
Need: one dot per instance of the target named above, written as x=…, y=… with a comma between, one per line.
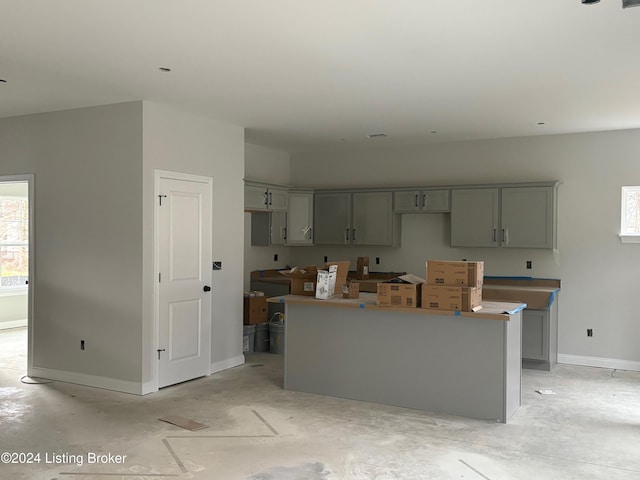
x=248, y=338
x=276, y=340
x=262, y=337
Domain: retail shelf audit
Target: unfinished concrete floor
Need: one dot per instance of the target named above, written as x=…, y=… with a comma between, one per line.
x=589, y=429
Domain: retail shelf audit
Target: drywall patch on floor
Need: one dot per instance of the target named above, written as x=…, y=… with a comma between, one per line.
x=183, y=422
x=308, y=471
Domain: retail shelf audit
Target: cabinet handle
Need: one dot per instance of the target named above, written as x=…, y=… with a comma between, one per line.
x=503, y=237
x=424, y=200
x=309, y=230
x=417, y=196
x=270, y=198
x=353, y=236
x=346, y=236
x=494, y=234
x=284, y=233
x=266, y=199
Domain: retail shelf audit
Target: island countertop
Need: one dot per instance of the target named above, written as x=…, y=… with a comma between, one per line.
x=490, y=309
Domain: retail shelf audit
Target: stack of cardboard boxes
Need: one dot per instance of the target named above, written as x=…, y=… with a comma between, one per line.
x=453, y=286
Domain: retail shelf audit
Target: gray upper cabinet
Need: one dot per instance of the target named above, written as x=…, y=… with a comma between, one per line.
x=268, y=228
x=372, y=219
x=332, y=219
x=362, y=218
x=509, y=217
x=474, y=217
x=527, y=218
x=264, y=198
x=419, y=201
x=300, y=218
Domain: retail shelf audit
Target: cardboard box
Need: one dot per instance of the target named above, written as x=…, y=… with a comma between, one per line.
x=255, y=310
x=404, y=292
x=455, y=274
x=303, y=280
x=440, y=297
x=352, y=290
x=341, y=274
x=362, y=271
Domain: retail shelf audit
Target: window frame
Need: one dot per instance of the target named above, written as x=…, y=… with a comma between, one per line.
x=626, y=236
x=9, y=290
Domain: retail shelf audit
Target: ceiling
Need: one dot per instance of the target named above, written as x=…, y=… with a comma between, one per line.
x=305, y=75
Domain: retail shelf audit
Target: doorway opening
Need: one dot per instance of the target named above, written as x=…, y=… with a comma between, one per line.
x=16, y=258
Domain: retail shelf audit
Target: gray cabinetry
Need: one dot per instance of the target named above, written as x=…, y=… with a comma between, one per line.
x=509, y=217
x=300, y=218
x=540, y=337
x=362, y=218
x=332, y=219
x=268, y=228
x=264, y=198
x=474, y=217
x=419, y=201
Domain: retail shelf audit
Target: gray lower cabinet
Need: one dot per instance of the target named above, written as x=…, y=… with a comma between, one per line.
x=540, y=338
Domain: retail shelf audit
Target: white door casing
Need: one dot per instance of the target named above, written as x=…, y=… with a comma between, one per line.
x=184, y=277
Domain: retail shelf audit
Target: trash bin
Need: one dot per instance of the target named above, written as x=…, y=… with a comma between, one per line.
x=276, y=333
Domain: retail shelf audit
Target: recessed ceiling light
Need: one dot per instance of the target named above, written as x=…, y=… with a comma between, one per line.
x=164, y=69
x=376, y=135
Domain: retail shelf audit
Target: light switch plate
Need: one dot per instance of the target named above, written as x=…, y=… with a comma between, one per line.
x=217, y=265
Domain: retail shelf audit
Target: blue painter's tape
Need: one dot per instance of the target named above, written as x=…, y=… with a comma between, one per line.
x=457, y=313
x=282, y=300
x=362, y=305
x=517, y=309
x=552, y=297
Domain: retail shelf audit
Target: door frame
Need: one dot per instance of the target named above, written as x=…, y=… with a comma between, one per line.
x=158, y=176
x=29, y=179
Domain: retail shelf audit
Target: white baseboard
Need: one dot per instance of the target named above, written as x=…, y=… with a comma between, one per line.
x=13, y=324
x=599, y=362
x=87, y=380
x=227, y=364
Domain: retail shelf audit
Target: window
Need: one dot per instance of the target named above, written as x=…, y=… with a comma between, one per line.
x=630, y=215
x=14, y=241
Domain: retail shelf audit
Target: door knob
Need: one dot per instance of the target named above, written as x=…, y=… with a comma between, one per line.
x=207, y=288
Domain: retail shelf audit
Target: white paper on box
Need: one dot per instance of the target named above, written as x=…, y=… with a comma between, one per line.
x=326, y=283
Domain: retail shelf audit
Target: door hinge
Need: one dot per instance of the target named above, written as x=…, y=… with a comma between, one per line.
x=160, y=197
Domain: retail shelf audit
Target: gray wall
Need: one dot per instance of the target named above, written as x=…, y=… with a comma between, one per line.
x=94, y=196
x=88, y=236
x=598, y=272
x=181, y=142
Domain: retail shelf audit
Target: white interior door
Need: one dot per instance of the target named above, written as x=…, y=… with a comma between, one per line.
x=184, y=279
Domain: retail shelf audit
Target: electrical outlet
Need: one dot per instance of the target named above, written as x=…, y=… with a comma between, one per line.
x=589, y=332
x=377, y=260
x=275, y=257
x=81, y=344
x=326, y=259
x=529, y=263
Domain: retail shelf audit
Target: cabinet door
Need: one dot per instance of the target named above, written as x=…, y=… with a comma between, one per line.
x=527, y=217
x=407, y=202
x=278, y=230
x=474, y=217
x=300, y=219
x=372, y=218
x=435, y=201
x=277, y=199
x=332, y=219
x=535, y=334
x=255, y=198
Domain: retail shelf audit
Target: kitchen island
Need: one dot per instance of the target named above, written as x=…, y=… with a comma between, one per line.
x=459, y=363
